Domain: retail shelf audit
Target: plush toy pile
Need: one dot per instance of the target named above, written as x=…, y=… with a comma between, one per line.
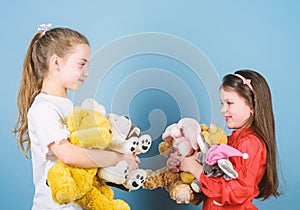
x=181, y=137
x=188, y=137
x=90, y=128
x=214, y=153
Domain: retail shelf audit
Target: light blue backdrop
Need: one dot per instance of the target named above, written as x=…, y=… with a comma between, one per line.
x=225, y=36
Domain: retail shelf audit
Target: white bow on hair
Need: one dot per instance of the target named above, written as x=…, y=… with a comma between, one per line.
x=44, y=27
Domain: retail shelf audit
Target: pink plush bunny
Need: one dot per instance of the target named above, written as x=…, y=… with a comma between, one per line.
x=184, y=136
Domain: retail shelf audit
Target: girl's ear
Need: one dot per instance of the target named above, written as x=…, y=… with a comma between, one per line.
x=54, y=63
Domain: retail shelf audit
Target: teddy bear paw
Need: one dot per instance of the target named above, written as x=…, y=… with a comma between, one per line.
x=126, y=146
x=144, y=144
x=195, y=186
x=135, y=179
x=115, y=174
x=182, y=193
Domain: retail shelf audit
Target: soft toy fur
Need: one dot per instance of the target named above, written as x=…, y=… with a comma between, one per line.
x=88, y=129
x=188, y=137
x=216, y=137
x=126, y=138
x=180, y=137
x=184, y=136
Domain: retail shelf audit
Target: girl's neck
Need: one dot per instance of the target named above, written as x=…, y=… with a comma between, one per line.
x=54, y=93
x=53, y=89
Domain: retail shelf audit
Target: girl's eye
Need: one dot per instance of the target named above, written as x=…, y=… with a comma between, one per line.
x=83, y=65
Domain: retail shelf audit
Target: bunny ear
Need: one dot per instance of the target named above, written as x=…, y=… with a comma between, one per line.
x=171, y=131
x=227, y=167
x=204, y=146
x=191, y=130
x=190, y=134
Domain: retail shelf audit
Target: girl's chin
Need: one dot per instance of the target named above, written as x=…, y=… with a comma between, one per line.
x=229, y=126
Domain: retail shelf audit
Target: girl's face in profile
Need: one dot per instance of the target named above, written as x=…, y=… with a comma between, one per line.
x=75, y=68
x=234, y=109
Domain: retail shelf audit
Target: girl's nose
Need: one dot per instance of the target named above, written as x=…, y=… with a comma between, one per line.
x=86, y=72
x=223, y=109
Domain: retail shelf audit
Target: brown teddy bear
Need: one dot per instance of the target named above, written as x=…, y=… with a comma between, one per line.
x=179, y=137
x=176, y=184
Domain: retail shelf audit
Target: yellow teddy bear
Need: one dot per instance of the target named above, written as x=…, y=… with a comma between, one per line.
x=88, y=129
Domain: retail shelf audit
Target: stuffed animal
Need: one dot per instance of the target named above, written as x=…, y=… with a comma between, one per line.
x=214, y=153
x=173, y=183
x=181, y=137
x=126, y=138
x=186, y=138
x=88, y=129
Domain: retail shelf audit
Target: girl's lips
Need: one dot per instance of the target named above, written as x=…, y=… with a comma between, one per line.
x=227, y=118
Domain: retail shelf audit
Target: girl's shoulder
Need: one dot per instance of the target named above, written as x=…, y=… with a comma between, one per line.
x=247, y=141
x=44, y=103
x=245, y=136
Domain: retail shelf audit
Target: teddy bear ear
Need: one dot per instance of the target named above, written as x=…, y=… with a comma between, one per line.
x=203, y=145
x=134, y=131
x=92, y=104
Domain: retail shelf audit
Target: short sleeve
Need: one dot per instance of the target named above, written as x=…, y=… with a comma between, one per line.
x=46, y=125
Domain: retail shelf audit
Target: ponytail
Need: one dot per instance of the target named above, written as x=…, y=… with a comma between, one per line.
x=30, y=87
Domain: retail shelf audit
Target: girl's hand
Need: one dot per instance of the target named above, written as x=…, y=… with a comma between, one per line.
x=173, y=161
x=187, y=163
x=190, y=164
x=132, y=160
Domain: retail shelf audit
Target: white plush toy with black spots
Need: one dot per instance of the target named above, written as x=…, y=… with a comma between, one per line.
x=126, y=138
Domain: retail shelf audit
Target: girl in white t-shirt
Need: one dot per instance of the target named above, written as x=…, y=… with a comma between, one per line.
x=56, y=61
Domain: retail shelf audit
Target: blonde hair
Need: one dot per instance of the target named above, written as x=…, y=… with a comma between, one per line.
x=259, y=99
x=59, y=41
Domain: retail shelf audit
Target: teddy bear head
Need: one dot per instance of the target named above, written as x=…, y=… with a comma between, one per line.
x=120, y=125
x=89, y=128
x=127, y=137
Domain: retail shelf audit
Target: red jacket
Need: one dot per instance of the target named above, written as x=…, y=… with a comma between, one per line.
x=237, y=194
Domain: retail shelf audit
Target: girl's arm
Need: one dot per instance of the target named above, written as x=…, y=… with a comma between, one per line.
x=74, y=155
x=237, y=191
x=190, y=164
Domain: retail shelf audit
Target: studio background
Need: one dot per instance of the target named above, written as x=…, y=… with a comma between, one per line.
x=260, y=35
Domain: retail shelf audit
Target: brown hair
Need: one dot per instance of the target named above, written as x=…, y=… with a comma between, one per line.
x=59, y=41
x=262, y=122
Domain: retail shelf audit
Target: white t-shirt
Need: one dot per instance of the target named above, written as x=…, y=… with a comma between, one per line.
x=45, y=126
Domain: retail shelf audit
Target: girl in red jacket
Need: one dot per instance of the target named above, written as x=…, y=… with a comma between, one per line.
x=247, y=108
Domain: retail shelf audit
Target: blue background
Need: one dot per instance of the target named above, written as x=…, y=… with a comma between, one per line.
x=261, y=35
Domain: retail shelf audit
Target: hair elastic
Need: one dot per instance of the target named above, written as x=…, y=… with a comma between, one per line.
x=245, y=81
x=44, y=27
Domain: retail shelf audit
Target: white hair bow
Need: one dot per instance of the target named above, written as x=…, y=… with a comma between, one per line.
x=44, y=27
